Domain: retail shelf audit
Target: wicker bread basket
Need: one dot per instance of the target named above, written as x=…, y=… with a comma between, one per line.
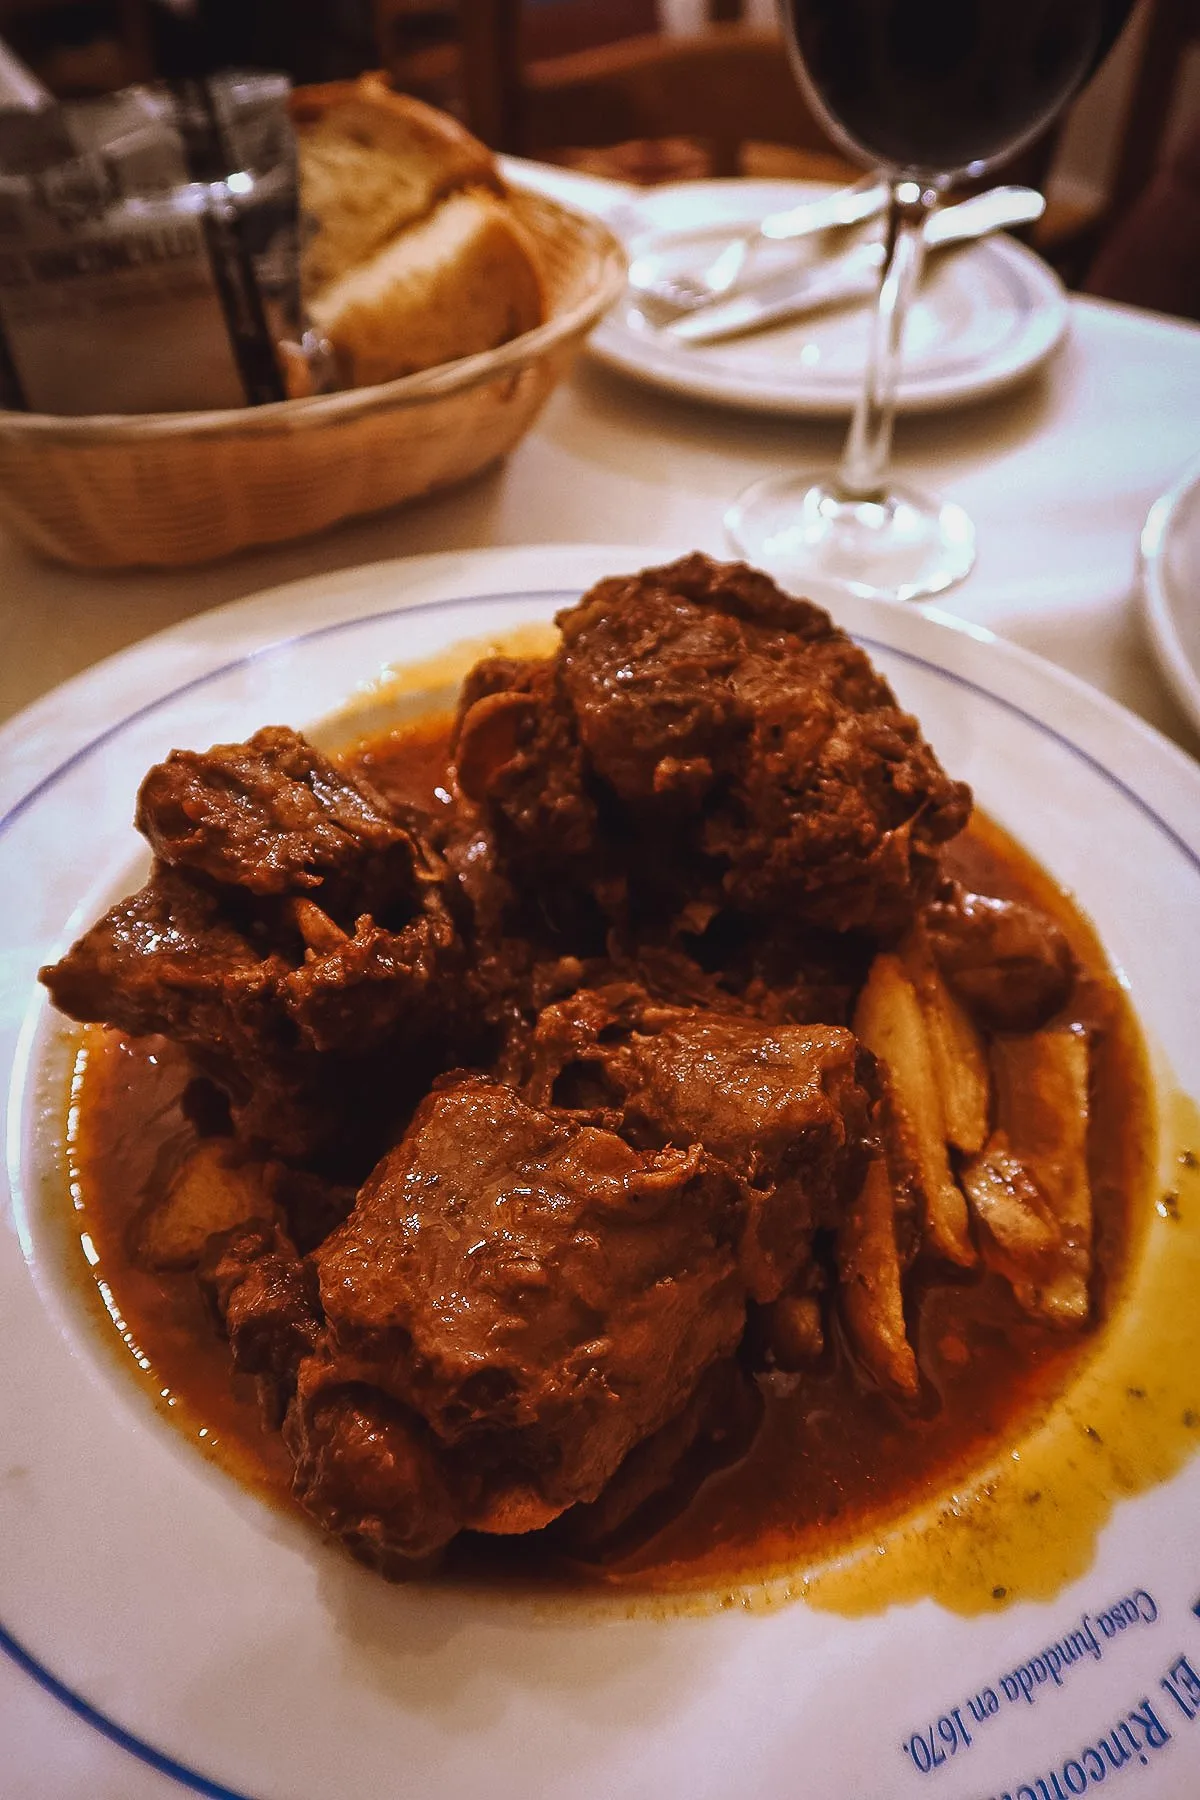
x=166, y=489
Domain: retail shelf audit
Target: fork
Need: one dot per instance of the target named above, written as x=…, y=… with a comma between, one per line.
x=684, y=293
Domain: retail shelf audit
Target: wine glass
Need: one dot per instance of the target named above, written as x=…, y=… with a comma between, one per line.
x=928, y=91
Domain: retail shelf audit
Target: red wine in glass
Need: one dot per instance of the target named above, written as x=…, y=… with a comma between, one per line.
x=928, y=91
x=938, y=86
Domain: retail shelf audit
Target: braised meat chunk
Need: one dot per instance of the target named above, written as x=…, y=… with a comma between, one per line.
x=743, y=743
x=537, y=1295
x=168, y=961
x=265, y=1298
x=271, y=815
x=368, y=1471
x=518, y=748
x=784, y=1108
x=286, y=919
x=1010, y=966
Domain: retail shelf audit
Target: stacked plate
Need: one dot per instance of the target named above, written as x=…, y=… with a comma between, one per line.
x=987, y=314
x=1171, y=587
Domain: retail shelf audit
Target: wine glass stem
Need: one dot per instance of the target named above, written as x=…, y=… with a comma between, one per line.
x=864, y=468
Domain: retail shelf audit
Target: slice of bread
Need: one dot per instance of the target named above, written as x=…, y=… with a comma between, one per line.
x=461, y=280
x=372, y=163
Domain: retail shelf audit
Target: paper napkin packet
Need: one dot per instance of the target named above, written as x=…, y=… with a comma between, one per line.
x=149, y=250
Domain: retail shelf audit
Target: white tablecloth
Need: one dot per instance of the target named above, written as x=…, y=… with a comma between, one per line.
x=1058, y=477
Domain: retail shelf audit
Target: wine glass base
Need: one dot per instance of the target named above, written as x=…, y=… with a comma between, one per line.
x=800, y=529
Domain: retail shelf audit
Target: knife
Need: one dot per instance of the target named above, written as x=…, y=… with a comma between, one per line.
x=854, y=276
x=681, y=292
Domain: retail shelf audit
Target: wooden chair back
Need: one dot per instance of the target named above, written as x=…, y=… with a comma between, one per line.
x=1172, y=28
x=1075, y=232
x=100, y=45
x=726, y=86
x=723, y=86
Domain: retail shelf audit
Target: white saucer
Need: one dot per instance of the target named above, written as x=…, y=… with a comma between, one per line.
x=986, y=316
x=1170, y=549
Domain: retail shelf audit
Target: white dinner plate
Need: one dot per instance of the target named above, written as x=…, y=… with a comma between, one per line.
x=986, y=315
x=223, y=1642
x=1170, y=558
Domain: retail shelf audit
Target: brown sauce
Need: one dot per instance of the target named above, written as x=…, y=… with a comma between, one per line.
x=832, y=1460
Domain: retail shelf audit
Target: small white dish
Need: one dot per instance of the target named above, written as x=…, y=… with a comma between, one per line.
x=1170, y=568
x=987, y=315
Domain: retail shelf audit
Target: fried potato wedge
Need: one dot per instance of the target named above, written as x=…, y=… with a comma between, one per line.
x=960, y=1063
x=890, y=1022
x=1019, y=1236
x=209, y=1192
x=1042, y=1106
x=869, y=1265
